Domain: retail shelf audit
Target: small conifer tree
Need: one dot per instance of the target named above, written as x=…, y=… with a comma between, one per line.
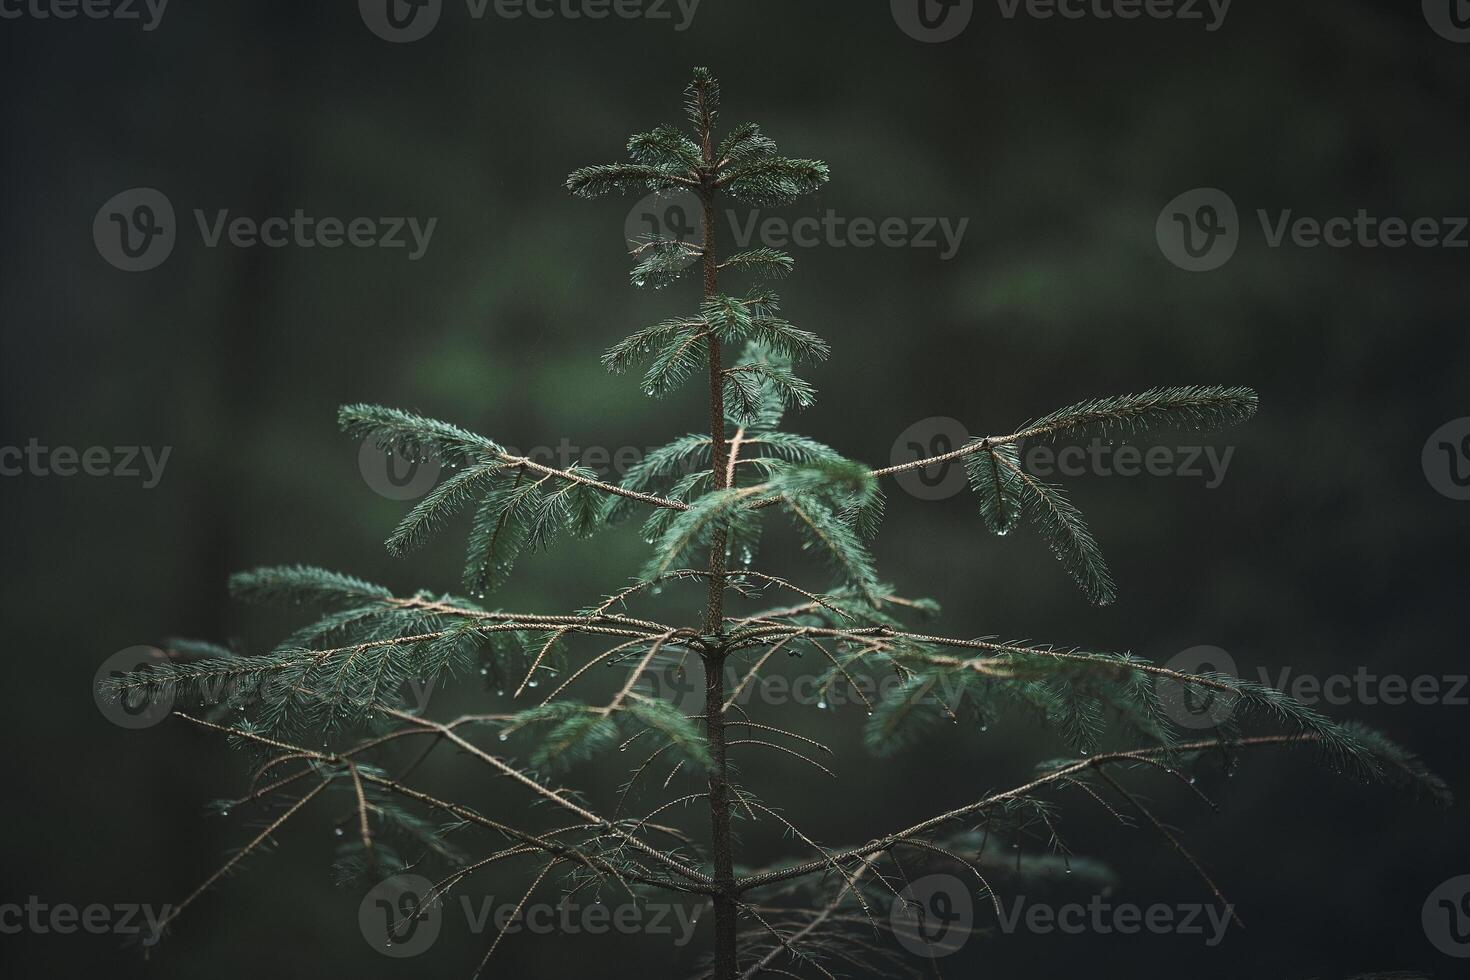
x=321, y=712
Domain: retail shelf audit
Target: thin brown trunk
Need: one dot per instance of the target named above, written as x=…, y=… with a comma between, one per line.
x=714, y=661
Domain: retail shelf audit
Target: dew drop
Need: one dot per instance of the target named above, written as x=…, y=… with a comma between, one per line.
x=337, y=832
x=503, y=736
x=821, y=704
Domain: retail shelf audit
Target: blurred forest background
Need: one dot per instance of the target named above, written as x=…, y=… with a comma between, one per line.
x=1324, y=550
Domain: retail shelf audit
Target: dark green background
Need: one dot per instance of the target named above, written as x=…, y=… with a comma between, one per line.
x=1324, y=550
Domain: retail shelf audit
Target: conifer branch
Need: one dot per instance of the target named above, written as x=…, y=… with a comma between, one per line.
x=1020, y=792
x=691, y=885
x=1173, y=840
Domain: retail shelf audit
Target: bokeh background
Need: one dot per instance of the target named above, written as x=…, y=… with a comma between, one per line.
x=1325, y=549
